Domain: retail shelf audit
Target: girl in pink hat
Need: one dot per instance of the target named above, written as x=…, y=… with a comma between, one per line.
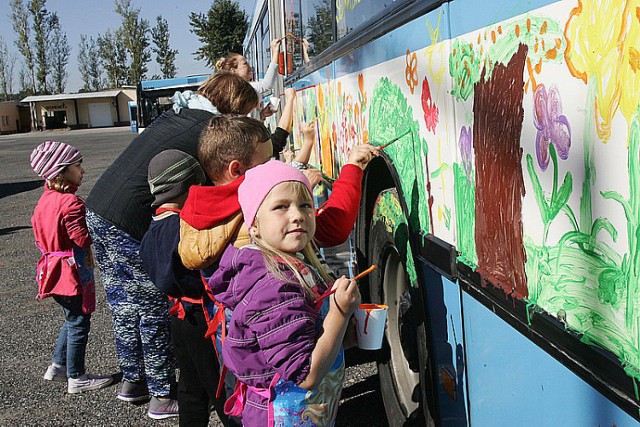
x=282, y=344
x=65, y=271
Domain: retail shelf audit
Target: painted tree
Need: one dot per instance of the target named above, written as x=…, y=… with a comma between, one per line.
x=89, y=64
x=59, y=53
x=165, y=56
x=20, y=22
x=113, y=56
x=221, y=30
x=135, y=35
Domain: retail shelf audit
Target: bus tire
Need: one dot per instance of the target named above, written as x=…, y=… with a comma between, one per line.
x=403, y=363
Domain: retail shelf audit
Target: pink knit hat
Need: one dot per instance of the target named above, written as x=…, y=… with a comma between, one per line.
x=259, y=181
x=50, y=158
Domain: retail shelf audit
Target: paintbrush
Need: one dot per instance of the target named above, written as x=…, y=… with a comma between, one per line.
x=382, y=147
x=359, y=276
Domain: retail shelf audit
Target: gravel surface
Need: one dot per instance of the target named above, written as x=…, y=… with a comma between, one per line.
x=28, y=328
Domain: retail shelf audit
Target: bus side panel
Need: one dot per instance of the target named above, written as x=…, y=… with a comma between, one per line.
x=444, y=314
x=508, y=374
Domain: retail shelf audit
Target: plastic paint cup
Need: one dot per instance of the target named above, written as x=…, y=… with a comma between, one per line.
x=370, y=319
x=274, y=103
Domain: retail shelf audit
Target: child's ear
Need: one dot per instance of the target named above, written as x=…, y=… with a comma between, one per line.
x=235, y=169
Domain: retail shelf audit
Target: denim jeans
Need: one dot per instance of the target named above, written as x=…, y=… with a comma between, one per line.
x=74, y=334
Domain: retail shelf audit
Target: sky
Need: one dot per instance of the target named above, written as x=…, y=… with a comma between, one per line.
x=94, y=17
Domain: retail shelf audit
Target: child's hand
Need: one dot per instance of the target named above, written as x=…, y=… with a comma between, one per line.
x=362, y=154
x=274, y=46
x=288, y=154
x=347, y=296
x=289, y=94
x=266, y=112
x=313, y=175
x=309, y=132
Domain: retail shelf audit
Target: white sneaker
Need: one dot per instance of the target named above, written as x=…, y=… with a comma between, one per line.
x=88, y=382
x=56, y=373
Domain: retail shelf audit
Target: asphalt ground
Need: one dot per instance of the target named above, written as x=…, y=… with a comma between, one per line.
x=28, y=328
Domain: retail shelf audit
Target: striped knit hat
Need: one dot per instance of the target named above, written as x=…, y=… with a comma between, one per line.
x=171, y=173
x=51, y=157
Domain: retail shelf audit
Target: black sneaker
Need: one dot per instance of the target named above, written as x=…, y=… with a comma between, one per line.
x=134, y=391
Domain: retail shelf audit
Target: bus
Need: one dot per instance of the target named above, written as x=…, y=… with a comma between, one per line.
x=154, y=96
x=504, y=213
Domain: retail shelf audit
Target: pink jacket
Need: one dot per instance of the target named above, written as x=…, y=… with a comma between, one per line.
x=58, y=224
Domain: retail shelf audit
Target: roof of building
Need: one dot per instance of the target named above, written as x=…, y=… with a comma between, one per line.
x=82, y=95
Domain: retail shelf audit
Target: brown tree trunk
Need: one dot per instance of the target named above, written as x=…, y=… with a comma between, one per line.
x=497, y=125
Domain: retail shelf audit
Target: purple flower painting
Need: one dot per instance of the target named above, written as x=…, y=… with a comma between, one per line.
x=553, y=127
x=465, y=143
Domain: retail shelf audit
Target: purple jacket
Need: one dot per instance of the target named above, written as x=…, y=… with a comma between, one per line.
x=273, y=327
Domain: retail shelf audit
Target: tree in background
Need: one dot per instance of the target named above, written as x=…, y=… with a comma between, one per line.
x=135, y=32
x=20, y=21
x=89, y=64
x=165, y=56
x=113, y=55
x=59, y=53
x=320, y=28
x=43, y=21
x=4, y=63
x=221, y=30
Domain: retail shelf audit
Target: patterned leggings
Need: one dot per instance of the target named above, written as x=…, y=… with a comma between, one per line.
x=141, y=322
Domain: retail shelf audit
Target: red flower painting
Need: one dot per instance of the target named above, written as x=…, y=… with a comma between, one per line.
x=429, y=107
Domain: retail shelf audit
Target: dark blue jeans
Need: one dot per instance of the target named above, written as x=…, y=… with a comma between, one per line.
x=74, y=334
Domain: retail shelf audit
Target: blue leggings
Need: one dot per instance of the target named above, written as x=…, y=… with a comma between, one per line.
x=141, y=322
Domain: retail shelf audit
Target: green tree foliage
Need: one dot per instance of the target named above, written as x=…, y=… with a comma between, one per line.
x=165, y=56
x=221, y=30
x=135, y=35
x=319, y=28
x=59, y=53
x=4, y=66
x=43, y=21
x=20, y=22
x=89, y=64
x=113, y=55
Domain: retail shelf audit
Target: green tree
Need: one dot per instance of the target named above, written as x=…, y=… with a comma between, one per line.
x=59, y=53
x=320, y=28
x=221, y=30
x=43, y=21
x=89, y=64
x=20, y=22
x=165, y=56
x=113, y=55
x=135, y=31
x=4, y=66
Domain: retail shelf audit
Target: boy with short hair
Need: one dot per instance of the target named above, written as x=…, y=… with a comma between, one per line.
x=170, y=175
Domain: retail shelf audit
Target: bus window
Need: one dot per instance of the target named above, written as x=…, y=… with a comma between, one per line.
x=350, y=14
x=309, y=27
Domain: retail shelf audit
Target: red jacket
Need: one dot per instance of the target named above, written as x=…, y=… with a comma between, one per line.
x=58, y=224
x=208, y=206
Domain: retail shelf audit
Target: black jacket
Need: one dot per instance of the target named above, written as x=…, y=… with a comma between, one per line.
x=121, y=195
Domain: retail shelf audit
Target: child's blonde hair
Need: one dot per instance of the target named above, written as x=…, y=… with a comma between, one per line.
x=60, y=184
x=274, y=258
x=228, y=63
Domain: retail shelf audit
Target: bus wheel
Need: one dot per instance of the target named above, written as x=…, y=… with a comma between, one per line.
x=402, y=363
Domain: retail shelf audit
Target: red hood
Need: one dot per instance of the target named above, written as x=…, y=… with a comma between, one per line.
x=207, y=206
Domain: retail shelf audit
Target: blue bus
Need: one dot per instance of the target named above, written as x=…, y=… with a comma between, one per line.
x=154, y=96
x=505, y=213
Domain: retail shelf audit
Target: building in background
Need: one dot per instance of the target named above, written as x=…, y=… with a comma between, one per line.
x=9, y=117
x=81, y=110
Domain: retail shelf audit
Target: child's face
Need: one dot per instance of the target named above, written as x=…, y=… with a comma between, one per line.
x=73, y=174
x=244, y=69
x=286, y=219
